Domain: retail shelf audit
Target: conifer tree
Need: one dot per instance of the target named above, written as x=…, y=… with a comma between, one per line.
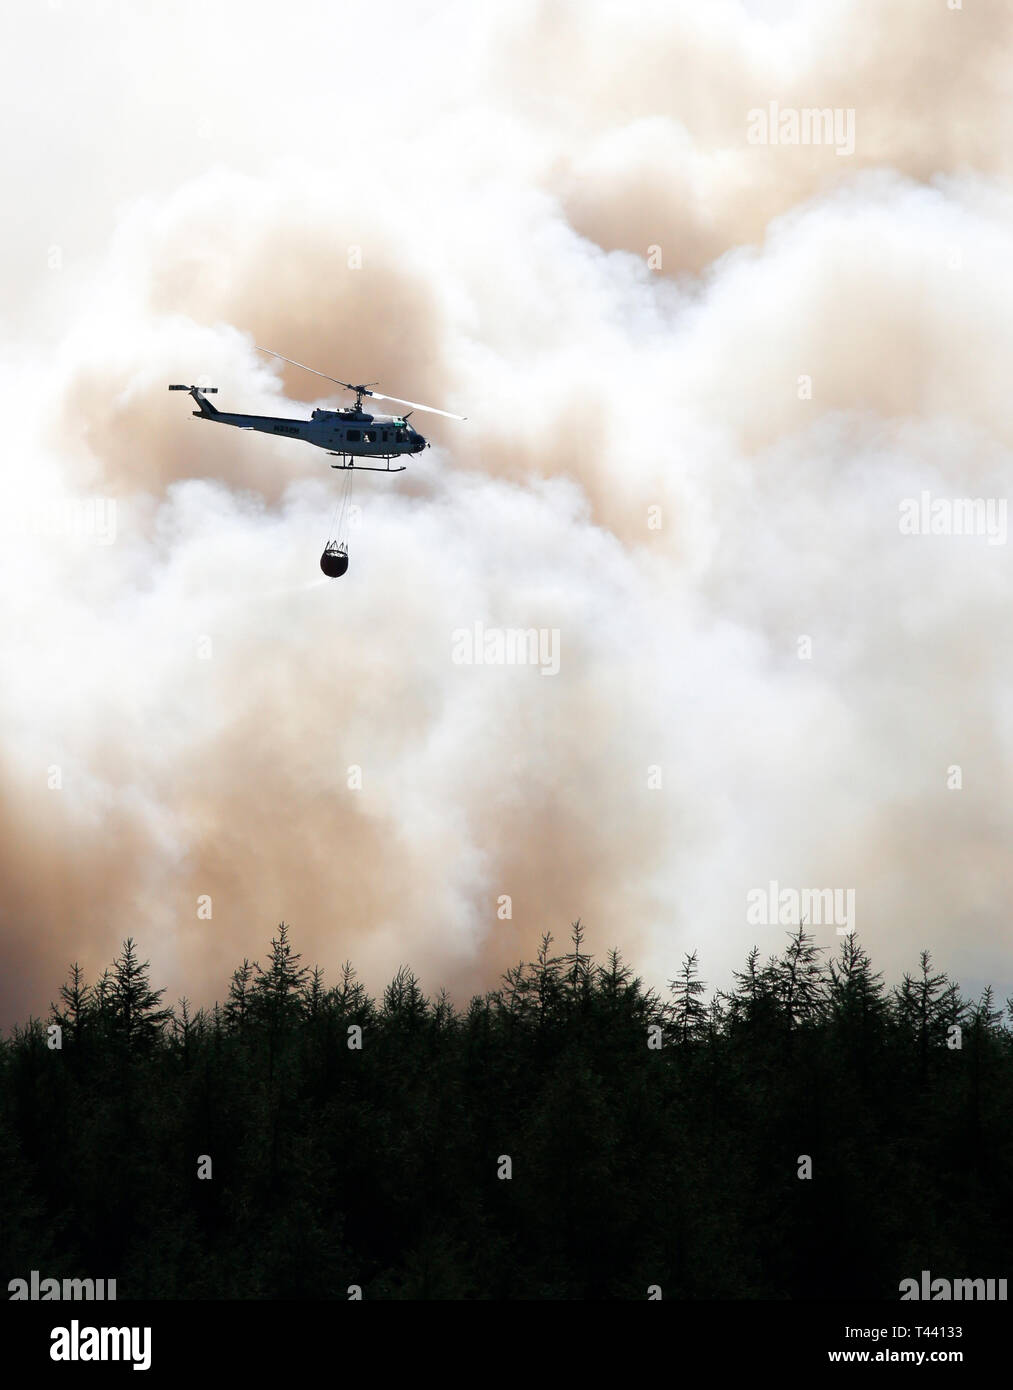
x=238, y=1004
x=183, y=1030
x=315, y=992
x=926, y=1006
x=403, y=998
x=277, y=1004
x=798, y=979
x=854, y=992
x=350, y=996
x=77, y=1000
x=753, y=1001
x=689, y=1013
x=984, y=1017
x=546, y=980
x=614, y=975
x=578, y=965
x=277, y=993
x=133, y=1005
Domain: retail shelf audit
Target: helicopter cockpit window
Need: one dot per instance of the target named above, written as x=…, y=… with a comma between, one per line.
x=399, y=436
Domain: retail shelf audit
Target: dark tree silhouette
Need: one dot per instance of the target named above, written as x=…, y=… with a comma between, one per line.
x=689, y=1014
x=131, y=1011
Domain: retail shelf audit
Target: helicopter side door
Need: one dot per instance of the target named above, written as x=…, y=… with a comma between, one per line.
x=350, y=439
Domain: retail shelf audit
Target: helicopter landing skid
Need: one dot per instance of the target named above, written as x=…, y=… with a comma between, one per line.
x=363, y=467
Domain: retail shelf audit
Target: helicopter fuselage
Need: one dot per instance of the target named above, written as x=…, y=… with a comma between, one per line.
x=350, y=433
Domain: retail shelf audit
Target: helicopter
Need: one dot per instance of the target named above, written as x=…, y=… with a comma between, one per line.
x=348, y=435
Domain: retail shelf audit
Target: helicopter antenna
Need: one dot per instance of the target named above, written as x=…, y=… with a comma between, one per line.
x=362, y=390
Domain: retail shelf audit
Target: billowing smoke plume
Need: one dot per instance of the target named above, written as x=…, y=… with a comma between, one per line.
x=713, y=376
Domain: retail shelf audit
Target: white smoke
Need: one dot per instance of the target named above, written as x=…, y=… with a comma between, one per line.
x=700, y=377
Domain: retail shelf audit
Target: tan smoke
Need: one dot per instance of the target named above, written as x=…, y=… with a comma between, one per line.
x=467, y=216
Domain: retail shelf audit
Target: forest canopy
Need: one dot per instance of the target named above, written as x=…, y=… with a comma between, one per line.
x=572, y=1134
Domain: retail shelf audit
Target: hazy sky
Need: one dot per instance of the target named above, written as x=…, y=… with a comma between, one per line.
x=702, y=370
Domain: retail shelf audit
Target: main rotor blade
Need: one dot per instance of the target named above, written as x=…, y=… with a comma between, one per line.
x=379, y=396
x=347, y=384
